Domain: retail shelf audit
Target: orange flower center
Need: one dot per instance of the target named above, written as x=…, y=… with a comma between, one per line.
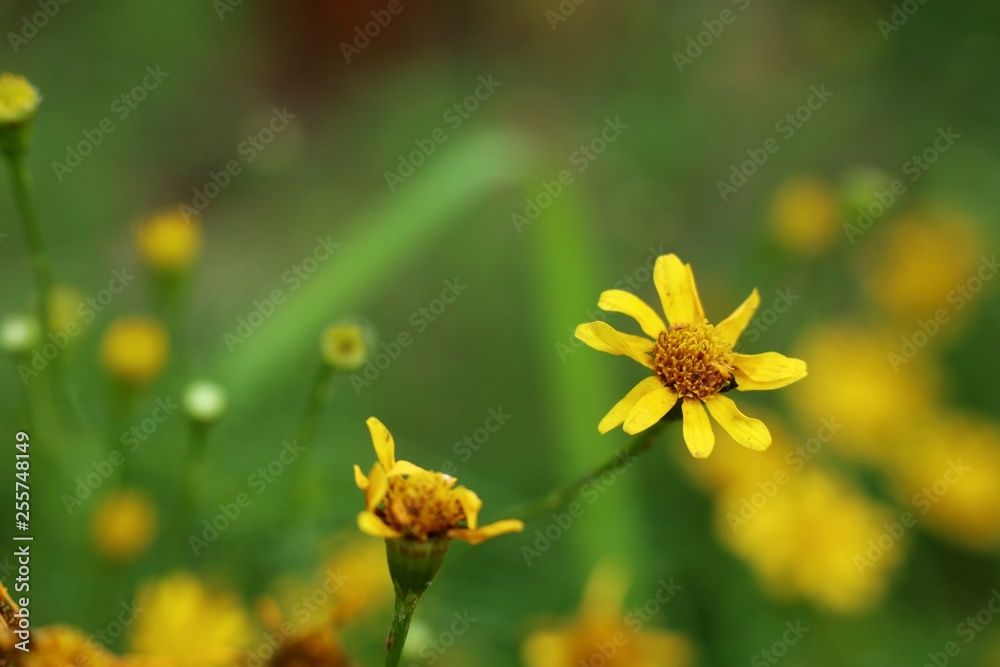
x=693, y=360
x=421, y=505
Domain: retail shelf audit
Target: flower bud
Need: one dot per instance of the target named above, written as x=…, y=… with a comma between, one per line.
x=19, y=334
x=344, y=347
x=204, y=401
x=18, y=102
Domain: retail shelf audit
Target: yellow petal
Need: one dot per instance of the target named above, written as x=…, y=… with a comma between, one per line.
x=406, y=468
x=619, y=301
x=676, y=289
x=604, y=338
x=747, y=431
x=730, y=328
x=471, y=504
x=649, y=409
x=359, y=478
x=697, y=429
x=768, y=370
x=616, y=416
x=378, y=486
x=385, y=446
x=486, y=532
x=374, y=526
x=699, y=310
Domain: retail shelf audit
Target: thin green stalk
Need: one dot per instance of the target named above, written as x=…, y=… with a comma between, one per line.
x=192, y=476
x=406, y=604
x=563, y=495
x=305, y=435
x=20, y=181
x=123, y=405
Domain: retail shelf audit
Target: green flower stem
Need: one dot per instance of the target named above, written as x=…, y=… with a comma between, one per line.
x=20, y=180
x=563, y=495
x=406, y=604
x=192, y=476
x=305, y=434
x=123, y=398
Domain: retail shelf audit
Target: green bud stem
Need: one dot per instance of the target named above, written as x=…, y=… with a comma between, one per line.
x=564, y=494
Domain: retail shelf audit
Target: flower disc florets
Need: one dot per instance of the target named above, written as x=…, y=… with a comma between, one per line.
x=692, y=360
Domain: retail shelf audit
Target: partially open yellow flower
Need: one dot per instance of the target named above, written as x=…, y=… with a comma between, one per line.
x=692, y=361
x=602, y=633
x=186, y=623
x=134, y=349
x=59, y=646
x=168, y=241
x=404, y=501
x=125, y=525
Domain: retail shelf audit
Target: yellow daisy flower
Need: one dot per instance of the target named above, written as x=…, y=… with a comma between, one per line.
x=404, y=501
x=692, y=361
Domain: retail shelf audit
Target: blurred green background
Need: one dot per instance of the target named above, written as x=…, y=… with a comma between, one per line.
x=506, y=342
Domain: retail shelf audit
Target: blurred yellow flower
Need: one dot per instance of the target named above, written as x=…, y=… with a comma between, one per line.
x=925, y=264
x=366, y=585
x=816, y=538
x=404, y=501
x=186, y=623
x=314, y=646
x=693, y=362
x=62, y=646
x=64, y=302
x=124, y=525
x=603, y=633
x=853, y=382
x=948, y=472
x=352, y=581
x=168, y=241
x=18, y=99
x=805, y=215
x=134, y=349
x=344, y=347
